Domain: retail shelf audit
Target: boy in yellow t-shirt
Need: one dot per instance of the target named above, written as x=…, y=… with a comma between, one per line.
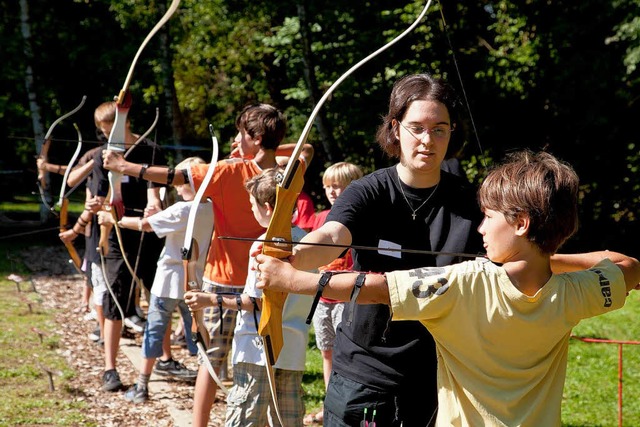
x=501, y=325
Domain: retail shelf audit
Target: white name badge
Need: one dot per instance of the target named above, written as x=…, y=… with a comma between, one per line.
x=384, y=245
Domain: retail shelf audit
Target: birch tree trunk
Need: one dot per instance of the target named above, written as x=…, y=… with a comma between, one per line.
x=36, y=121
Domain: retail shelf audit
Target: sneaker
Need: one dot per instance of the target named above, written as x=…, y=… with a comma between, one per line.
x=135, y=322
x=136, y=394
x=90, y=315
x=111, y=380
x=140, y=312
x=173, y=368
x=95, y=335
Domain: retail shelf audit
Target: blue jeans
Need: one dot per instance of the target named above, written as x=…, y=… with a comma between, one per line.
x=158, y=320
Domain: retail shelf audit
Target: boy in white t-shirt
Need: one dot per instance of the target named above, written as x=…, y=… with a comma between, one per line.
x=249, y=401
x=501, y=325
x=167, y=291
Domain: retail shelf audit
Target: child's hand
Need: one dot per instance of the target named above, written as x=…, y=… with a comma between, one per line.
x=113, y=160
x=197, y=300
x=105, y=218
x=67, y=236
x=273, y=273
x=94, y=204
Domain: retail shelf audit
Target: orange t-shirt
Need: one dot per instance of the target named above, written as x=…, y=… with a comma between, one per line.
x=228, y=260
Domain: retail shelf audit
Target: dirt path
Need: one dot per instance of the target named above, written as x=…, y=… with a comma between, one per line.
x=170, y=403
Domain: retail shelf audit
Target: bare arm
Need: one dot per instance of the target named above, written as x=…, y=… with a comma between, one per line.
x=197, y=300
x=562, y=263
x=115, y=161
x=79, y=173
x=281, y=276
x=128, y=222
x=284, y=151
x=310, y=257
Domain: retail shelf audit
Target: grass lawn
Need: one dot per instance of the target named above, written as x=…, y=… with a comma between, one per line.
x=26, y=395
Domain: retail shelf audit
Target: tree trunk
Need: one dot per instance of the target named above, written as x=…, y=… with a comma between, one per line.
x=36, y=121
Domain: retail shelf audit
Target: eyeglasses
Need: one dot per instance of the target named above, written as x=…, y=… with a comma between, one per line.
x=436, y=132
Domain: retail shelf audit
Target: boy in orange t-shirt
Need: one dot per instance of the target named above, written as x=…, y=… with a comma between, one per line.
x=261, y=128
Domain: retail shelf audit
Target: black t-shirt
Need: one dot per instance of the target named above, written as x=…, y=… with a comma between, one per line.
x=373, y=350
x=134, y=197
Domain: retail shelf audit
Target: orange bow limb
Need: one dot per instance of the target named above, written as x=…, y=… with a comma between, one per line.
x=64, y=219
x=279, y=229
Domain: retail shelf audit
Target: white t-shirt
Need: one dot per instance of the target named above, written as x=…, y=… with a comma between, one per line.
x=502, y=355
x=247, y=344
x=171, y=223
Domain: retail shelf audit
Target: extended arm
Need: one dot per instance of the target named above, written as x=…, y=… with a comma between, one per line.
x=281, y=276
x=311, y=257
x=115, y=161
x=561, y=263
x=197, y=300
x=283, y=152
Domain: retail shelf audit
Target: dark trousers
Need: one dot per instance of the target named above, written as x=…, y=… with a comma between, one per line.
x=346, y=401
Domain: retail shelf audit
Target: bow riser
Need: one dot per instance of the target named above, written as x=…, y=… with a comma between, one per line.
x=279, y=229
x=191, y=283
x=75, y=258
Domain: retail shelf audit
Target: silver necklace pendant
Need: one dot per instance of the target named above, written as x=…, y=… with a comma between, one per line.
x=414, y=211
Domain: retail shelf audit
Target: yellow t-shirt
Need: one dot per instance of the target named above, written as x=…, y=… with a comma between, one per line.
x=502, y=355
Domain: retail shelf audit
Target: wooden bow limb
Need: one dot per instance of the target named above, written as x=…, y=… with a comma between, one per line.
x=279, y=230
x=190, y=252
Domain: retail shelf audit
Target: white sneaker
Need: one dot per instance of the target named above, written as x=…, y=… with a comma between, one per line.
x=90, y=315
x=135, y=323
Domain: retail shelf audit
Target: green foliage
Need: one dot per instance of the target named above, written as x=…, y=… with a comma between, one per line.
x=562, y=77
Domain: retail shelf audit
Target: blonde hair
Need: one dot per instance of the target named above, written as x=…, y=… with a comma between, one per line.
x=342, y=173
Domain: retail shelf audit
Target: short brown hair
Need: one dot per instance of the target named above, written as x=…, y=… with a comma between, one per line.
x=537, y=185
x=105, y=113
x=263, y=120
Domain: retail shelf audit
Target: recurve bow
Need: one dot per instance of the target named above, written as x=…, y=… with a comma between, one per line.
x=116, y=142
x=279, y=230
x=190, y=250
x=44, y=153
